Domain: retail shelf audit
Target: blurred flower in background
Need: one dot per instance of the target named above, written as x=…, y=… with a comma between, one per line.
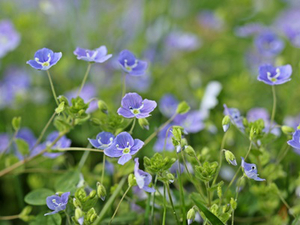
x=9, y=37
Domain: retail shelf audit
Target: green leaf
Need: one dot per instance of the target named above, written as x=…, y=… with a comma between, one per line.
x=16, y=123
x=54, y=219
x=60, y=108
x=38, y=196
x=67, y=182
x=182, y=108
x=209, y=215
x=23, y=146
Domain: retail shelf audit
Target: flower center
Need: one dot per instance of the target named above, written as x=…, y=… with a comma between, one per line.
x=126, y=150
x=274, y=77
x=129, y=68
x=135, y=111
x=44, y=64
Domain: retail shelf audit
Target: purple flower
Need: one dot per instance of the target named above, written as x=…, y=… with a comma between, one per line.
x=274, y=75
x=251, y=171
x=162, y=137
x=132, y=65
x=4, y=141
x=183, y=41
x=9, y=37
x=269, y=44
x=174, y=168
x=124, y=147
x=44, y=59
x=292, y=121
x=134, y=106
x=235, y=117
x=168, y=105
x=143, y=179
x=295, y=142
x=191, y=121
x=98, y=55
x=88, y=92
x=57, y=203
x=27, y=135
x=103, y=140
x=249, y=29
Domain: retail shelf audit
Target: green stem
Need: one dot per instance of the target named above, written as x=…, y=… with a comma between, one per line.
x=68, y=218
x=133, y=124
x=283, y=154
x=119, y=205
x=220, y=160
x=181, y=191
x=208, y=193
x=236, y=197
x=153, y=200
x=84, y=78
x=78, y=149
x=9, y=217
x=103, y=169
x=274, y=107
x=84, y=157
x=165, y=207
x=110, y=201
x=52, y=87
x=171, y=201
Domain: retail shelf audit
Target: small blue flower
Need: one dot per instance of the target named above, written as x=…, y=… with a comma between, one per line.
x=103, y=140
x=143, y=179
x=235, y=117
x=57, y=203
x=269, y=44
x=168, y=105
x=98, y=55
x=9, y=37
x=251, y=171
x=4, y=141
x=295, y=142
x=132, y=65
x=192, y=121
x=44, y=59
x=274, y=75
x=124, y=146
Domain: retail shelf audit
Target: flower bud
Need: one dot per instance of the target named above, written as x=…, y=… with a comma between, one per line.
x=191, y=214
x=233, y=203
x=101, y=191
x=230, y=158
x=219, y=191
x=16, y=123
x=182, y=108
x=178, y=148
x=91, y=215
x=102, y=106
x=170, y=177
x=92, y=194
x=144, y=124
x=189, y=150
x=287, y=130
x=226, y=123
x=78, y=213
x=76, y=203
x=147, y=161
x=131, y=180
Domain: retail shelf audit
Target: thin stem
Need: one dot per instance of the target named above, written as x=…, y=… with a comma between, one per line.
x=181, y=189
x=68, y=218
x=220, y=160
x=208, y=193
x=84, y=78
x=52, y=87
x=165, y=207
x=124, y=85
x=153, y=200
x=171, y=201
x=285, y=203
x=103, y=169
x=133, y=124
x=283, y=154
x=119, y=204
x=159, y=129
x=9, y=217
x=78, y=149
x=236, y=197
x=9, y=144
x=198, y=160
x=274, y=107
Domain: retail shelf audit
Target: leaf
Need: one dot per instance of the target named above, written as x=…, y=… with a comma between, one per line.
x=16, y=123
x=38, y=196
x=23, y=146
x=54, y=219
x=209, y=215
x=67, y=182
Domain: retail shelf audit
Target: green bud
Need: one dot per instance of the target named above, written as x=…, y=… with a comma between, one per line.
x=76, y=203
x=91, y=215
x=102, y=106
x=245, y=122
x=233, y=203
x=62, y=98
x=144, y=124
x=182, y=108
x=147, y=161
x=101, y=191
x=230, y=158
x=78, y=213
x=170, y=177
x=219, y=191
x=131, y=180
x=60, y=107
x=92, y=194
x=26, y=211
x=226, y=123
x=189, y=150
x=184, y=142
x=16, y=123
x=177, y=133
x=191, y=214
x=252, y=133
x=287, y=130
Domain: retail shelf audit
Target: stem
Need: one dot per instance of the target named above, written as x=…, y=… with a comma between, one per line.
x=84, y=157
x=9, y=217
x=208, y=193
x=274, y=107
x=220, y=160
x=103, y=169
x=119, y=204
x=78, y=149
x=124, y=85
x=22, y=162
x=283, y=154
x=236, y=197
x=165, y=207
x=68, y=218
x=171, y=201
x=181, y=191
x=52, y=87
x=84, y=78
x=133, y=124
x=159, y=129
x=153, y=200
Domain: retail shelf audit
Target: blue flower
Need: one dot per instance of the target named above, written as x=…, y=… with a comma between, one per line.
x=4, y=141
x=9, y=37
x=143, y=179
x=274, y=75
x=103, y=140
x=44, y=59
x=250, y=171
x=192, y=121
x=269, y=44
x=168, y=105
x=57, y=203
x=124, y=146
x=132, y=65
x=295, y=142
x=98, y=55
x=235, y=117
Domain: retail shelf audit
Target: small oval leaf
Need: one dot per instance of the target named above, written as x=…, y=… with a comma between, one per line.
x=38, y=196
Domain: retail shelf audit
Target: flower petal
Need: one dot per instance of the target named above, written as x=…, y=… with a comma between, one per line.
x=124, y=159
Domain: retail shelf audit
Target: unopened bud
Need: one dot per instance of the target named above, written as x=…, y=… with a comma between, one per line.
x=102, y=106
x=144, y=124
x=170, y=177
x=78, y=213
x=182, y=108
x=191, y=214
x=92, y=194
x=101, y=191
x=287, y=130
x=131, y=180
x=76, y=203
x=189, y=150
x=230, y=158
x=226, y=123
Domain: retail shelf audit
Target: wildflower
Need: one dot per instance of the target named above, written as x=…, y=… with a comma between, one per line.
x=269, y=44
x=226, y=123
x=183, y=41
x=132, y=65
x=124, y=146
x=295, y=142
x=9, y=37
x=143, y=179
x=168, y=105
x=57, y=203
x=103, y=140
x=249, y=29
x=98, y=55
x=134, y=106
x=192, y=121
x=230, y=158
x=4, y=141
x=191, y=214
x=274, y=75
x=251, y=171
x=235, y=117
x=44, y=59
